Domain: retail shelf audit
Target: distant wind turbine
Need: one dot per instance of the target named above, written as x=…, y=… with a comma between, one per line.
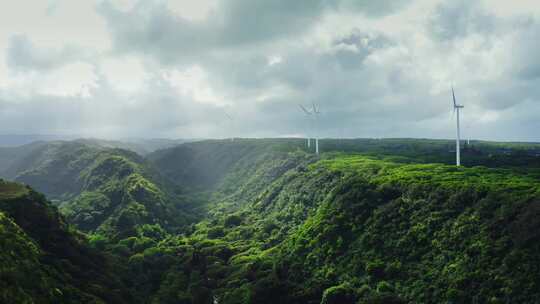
x=467, y=129
x=232, y=121
x=314, y=112
x=308, y=113
x=458, y=139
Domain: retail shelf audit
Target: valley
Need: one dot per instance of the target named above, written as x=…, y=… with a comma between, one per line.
x=268, y=221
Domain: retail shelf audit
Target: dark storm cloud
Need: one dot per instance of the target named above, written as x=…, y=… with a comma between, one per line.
x=338, y=70
x=245, y=21
x=353, y=49
x=151, y=28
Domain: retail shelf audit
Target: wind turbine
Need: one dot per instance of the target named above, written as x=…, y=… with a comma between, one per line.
x=316, y=113
x=308, y=113
x=232, y=121
x=467, y=129
x=458, y=139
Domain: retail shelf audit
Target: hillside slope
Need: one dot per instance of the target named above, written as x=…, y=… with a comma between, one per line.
x=264, y=221
x=12, y=158
x=418, y=233
x=43, y=261
x=111, y=191
x=201, y=166
x=352, y=228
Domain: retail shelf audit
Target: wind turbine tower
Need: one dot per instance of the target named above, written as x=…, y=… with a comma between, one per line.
x=458, y=139
x=308, y=113
x=231, y=121
x=316, y=113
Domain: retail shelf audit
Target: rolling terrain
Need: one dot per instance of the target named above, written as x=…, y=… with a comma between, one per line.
x=266, y=221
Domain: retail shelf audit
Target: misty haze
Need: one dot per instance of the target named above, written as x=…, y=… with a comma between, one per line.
x=269, y=151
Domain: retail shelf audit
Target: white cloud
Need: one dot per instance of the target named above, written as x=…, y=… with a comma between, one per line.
x=170, y=68
x=127, y=73
x=274, y=59
x=72, y=80
x=511, y=9
x=72, y=22
x=193, y=82
x=194, y=10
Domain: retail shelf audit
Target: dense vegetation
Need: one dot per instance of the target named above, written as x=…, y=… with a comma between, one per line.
x=44, y=261
x=266, y=221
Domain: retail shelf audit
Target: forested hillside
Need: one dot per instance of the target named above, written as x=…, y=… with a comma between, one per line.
x=359, y=228
x=44, y=261
x=266, y=221
x=111, y=191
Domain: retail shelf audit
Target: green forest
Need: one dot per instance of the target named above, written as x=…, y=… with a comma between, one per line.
x=269, y=221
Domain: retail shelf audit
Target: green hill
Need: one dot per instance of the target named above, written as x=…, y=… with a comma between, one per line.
x=266, y=221
x=297, y=230
x=201, y=166
x=43, y=261
x=13, y=158
x=418, y=233
x=112, y=191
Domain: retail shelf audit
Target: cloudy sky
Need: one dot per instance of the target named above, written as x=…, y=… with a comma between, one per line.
x=150, y=68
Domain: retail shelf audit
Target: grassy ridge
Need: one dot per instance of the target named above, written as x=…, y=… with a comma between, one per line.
x=475, y=153
x=11, y=190
x=448, y=176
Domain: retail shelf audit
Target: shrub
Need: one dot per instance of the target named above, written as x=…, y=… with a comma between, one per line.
x=341, y=294
x=232, y=221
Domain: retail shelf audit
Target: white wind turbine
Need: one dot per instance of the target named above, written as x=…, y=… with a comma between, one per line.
x=314, y=112
x=308, y=113
x=458, y=139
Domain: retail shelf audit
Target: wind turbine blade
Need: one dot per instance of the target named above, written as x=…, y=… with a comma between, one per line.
x=454, y=97
x=315, y=108
x=304, y=109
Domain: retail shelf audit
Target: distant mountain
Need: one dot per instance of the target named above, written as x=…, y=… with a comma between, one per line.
x=13, y=140
x=12, y=158
x=140, y=146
